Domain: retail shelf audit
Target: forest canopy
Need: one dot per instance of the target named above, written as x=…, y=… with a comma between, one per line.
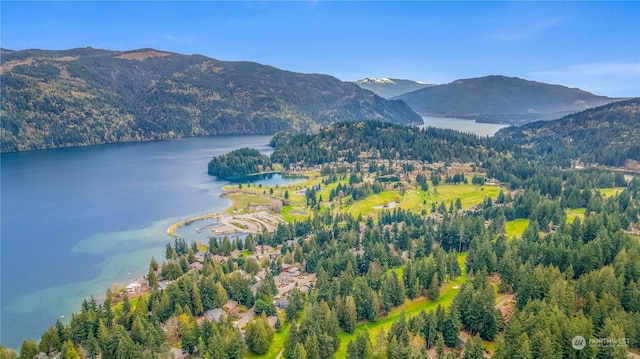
x=241, y=162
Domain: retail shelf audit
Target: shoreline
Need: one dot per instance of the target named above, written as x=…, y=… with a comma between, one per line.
x=172, y=229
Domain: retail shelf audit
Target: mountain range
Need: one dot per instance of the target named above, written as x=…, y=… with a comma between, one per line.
x=501, y=99
x=88, y=96
x=388, y=88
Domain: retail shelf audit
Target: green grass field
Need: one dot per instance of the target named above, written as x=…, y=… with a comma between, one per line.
x=516, y=227
x=416, y=200
x=399, y=271
x=572, y=214
x=367, y=206
x=609, y=192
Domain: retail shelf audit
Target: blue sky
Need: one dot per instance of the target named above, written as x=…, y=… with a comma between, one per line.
x=591, y=45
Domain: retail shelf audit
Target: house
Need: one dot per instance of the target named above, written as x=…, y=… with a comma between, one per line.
x=200, y=256
x=230, y=305
x=163, y=284
x=282, y=303
x=134, y=287
x=294, y=271
x=196, y=266
x=215, y=314
x=255, y=287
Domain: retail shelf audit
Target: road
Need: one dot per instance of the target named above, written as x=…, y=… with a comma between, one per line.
x=246, y=318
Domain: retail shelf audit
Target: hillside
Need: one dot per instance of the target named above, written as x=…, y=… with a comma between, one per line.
x=501, y=99
x=88, y=96
x=608, y=135
x=389, y=88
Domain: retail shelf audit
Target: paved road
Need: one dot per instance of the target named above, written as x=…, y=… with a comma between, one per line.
x=246, y=318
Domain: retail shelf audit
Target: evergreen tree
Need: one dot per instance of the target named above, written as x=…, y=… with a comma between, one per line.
x=29, y=349
x=259, y=335
x=440, y=346
x=361, y=347
x=523, y=350
x=152, y=279
x=50, y=341
x=312, y=347
x=434, y=288
x=234, y=344
x=451, y=327
x=348, y=316
x=473, y=349
x=69, y=351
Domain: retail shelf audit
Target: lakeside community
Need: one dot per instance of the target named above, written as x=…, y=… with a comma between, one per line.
x=256, y=209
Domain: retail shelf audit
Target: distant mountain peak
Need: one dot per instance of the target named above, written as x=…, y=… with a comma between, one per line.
x=376, y=80
x=501, y=99
x=388, y=87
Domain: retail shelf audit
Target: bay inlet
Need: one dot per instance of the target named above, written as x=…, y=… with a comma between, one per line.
x=77, y=220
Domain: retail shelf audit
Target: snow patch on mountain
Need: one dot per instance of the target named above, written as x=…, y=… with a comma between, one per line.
x=378, y=80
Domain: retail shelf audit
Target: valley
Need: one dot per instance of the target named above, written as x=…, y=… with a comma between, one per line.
x=319, y=180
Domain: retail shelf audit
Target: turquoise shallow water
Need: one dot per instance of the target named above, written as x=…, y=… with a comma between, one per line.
x=75, y=221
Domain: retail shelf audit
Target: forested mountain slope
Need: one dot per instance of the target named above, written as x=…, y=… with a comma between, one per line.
x=374, y=139
x=89, y=96
x=608, y=135
x=501, y=99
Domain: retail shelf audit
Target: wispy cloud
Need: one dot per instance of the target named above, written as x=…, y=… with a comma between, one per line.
x=527, y=31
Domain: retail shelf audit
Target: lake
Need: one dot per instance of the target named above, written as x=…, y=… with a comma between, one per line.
x=76, y=220
x=468, y=126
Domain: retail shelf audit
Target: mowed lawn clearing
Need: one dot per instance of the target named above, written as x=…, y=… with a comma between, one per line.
x=416, y=200
x=368, y=205
x=610, y=192
x=516, y=227
x=469, y=194
x=574, y=213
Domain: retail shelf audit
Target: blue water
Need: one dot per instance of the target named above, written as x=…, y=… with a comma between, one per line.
x=75, y=221
x=268, y=179
x=468, y=126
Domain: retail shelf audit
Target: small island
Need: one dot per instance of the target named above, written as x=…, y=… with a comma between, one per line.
x=238, y=163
